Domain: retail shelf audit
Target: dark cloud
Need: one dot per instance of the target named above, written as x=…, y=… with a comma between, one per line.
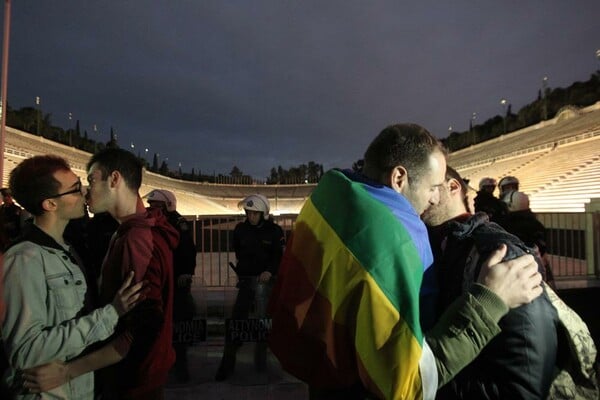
x=264, y=83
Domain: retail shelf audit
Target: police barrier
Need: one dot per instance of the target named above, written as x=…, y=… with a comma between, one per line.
x=247, y=330
x=189, y=331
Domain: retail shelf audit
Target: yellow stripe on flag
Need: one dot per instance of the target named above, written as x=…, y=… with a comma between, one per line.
x=385, y=345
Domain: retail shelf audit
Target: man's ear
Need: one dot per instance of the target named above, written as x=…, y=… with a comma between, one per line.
x=114, y=178
x=49, y=205
x=399, y=178
x=453, y=186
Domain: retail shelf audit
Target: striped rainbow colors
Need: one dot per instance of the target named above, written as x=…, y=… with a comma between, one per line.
x=345, y=307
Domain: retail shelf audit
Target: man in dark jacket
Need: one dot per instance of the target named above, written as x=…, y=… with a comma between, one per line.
x=523, y=223
x=184, y=264
x=258, y=243
x=519, y=363
x=10, y=218
x=486, y=202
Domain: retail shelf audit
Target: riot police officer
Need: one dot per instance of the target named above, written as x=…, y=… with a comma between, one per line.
x=258, y=243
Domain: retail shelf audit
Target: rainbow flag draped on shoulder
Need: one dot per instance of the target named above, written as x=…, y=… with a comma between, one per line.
x=345, y=307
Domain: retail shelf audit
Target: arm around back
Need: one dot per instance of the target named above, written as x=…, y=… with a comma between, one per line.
x=464, y=329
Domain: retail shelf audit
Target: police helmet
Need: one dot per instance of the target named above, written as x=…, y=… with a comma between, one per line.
x=164, y=196
x=508, y=180
x=487, y=182
x=256, y=202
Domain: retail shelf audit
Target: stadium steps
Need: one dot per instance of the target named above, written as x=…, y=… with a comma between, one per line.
x=545, y=157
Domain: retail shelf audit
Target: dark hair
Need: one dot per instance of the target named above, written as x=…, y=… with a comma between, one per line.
x=128, y=165
x=5, y=192
x=408, y=145
x=32, y=181
x=464, y=187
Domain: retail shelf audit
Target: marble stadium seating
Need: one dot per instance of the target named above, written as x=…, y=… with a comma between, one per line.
x=557, y=162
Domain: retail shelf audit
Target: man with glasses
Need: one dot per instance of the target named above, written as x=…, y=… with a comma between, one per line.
x=48, y=315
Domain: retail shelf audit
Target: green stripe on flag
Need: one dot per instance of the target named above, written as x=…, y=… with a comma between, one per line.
x=377, y=240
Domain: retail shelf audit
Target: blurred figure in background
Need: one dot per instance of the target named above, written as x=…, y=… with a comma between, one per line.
x=507, y=185
x=10, y=218
x=486, y=202
x=4, y=392
x=184, y=264
x=100, y=229
x=523, y=223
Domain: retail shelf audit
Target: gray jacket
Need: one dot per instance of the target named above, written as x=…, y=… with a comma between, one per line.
x=44, y=292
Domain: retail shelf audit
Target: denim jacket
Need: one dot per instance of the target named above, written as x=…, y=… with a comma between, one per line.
x=44, y=292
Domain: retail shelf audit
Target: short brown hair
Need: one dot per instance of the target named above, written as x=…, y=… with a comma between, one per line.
x=408, y=145
x=114, y=159
x=32, y=181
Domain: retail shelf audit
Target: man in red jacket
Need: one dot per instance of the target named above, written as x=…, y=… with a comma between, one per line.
x=143, y=242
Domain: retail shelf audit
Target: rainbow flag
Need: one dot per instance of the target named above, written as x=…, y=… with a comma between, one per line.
x=345, y=307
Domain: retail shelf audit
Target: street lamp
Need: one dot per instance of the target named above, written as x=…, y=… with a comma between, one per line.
x=544, y=101
x=39, y=115
x=70, y=130
x=95, y=129
x=598, y=57
x=471, y=131
x=504, y=103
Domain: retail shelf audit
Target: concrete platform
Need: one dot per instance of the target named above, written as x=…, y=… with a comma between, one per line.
x=245, y=382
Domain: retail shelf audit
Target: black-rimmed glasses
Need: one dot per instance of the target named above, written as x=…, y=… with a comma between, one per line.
x=77, y=189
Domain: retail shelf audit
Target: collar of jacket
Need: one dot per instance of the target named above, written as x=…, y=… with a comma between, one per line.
x=487, y=236
x=41, y=238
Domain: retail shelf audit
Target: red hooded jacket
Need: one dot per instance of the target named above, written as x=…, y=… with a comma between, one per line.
x=143, y=243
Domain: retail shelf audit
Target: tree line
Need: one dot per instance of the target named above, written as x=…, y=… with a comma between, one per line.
x=547, y=104
x=33, y=120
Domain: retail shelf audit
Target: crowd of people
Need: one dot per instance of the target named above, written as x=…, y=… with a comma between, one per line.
x=391, y=285
x=511, y=211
